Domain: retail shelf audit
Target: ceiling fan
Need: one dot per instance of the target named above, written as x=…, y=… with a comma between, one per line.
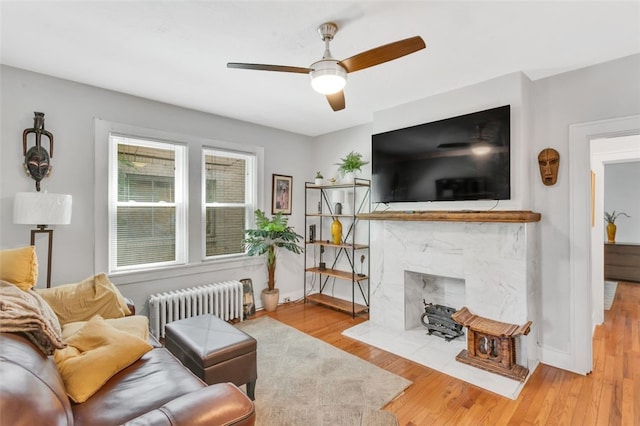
x=329, y=75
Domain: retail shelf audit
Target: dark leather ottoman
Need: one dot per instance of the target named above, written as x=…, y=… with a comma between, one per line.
x=214, y=350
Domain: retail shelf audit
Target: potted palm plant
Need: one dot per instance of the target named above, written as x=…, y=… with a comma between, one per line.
x=350, y=164
x=610, y=218
x=269, y=236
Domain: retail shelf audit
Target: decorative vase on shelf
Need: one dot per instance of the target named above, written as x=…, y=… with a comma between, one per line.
x=611, y=232
x=348, y=178
x=336, y=231
x=337, y=198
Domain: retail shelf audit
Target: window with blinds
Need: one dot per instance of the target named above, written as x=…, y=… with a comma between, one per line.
x=229, y=200
x=148, y=203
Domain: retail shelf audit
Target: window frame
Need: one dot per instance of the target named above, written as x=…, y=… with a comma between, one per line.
x=250, y=190
x=99, y=221
x=181, y=200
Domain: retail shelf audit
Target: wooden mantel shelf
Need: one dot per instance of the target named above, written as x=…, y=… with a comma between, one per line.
x=508, y=216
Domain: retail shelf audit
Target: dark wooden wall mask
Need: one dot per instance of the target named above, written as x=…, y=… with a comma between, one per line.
x=37, y=161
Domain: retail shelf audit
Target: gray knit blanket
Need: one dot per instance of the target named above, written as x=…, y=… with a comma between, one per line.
x=27, y=313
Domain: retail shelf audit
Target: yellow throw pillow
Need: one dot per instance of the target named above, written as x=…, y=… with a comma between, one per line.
x=138, y=325
x=94, y=354
x=19, y=267
x=80, y=301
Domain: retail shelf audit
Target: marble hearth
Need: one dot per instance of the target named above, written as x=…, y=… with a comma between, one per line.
x=496, y=265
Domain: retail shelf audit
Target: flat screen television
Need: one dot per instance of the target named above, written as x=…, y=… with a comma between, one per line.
x=456, y=159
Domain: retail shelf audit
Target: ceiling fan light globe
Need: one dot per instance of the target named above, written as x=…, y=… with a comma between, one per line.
x=328, y=77
x=328, y=84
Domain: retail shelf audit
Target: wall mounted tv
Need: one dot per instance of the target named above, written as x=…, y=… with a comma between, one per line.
x=456, y=159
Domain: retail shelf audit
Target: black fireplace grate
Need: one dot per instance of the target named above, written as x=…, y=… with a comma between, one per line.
x=437, y=319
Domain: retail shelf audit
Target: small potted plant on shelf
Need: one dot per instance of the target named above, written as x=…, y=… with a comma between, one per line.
x=267, y=238
x=350, y=164
x=319, y=180
x=610, y=218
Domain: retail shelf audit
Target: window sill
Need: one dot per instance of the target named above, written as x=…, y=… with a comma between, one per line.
x=204, y=266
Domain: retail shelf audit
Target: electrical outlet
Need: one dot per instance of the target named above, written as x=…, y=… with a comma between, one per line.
x=287, y=299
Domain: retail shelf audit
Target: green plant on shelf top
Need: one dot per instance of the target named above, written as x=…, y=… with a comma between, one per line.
x=611, y=217
x=268, y=237
x=319, y=175
x=351, y=163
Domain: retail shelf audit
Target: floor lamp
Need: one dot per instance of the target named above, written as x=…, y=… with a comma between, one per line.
x=42, y=209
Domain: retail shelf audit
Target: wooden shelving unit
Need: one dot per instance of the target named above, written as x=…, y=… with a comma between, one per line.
x=330, y=244
x=338, y=304
x=341, y=270
x=336, y=273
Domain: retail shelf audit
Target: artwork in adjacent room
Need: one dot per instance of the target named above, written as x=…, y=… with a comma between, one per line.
x=37, y=161
x=281, y=194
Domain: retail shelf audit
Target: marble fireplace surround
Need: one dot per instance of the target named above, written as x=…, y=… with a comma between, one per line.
x=494, y=253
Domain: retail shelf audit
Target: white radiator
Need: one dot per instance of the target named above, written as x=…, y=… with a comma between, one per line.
x=223, y=299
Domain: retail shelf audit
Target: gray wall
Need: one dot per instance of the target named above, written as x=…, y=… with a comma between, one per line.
x=549, y=107
x=599, y=92
x=622, y=194
x=70, y=109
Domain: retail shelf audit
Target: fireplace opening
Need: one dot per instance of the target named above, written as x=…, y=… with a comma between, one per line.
x=421, y=289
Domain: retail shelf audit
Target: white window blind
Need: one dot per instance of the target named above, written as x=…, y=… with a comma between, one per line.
x=147, y=203
x=229, y=200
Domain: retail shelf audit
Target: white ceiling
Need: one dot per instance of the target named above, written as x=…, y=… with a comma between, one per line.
x=176, y=51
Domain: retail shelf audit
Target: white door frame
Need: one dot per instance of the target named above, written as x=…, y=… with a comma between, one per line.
x=581, y=308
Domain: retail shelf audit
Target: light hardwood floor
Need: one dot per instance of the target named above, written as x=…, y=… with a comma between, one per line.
x=610, y=395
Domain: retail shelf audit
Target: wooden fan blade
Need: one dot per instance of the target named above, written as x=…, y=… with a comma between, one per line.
x=382, y=54
x=263, y=67
x=336, y=100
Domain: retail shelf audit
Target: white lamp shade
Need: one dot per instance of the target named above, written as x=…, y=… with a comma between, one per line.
x=41, y=208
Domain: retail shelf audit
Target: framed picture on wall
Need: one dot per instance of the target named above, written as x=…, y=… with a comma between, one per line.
x=281, y=194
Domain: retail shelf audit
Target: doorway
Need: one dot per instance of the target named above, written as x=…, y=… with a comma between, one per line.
x=580, y=229
x=605, y=153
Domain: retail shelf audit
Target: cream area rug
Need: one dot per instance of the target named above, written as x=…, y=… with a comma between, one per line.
x=609, y=293
x=305, y=381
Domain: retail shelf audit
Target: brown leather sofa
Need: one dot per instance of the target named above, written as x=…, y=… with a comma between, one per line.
x=155, y=390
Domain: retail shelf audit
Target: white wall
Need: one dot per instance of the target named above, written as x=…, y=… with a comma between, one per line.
x=622, y=194
x=330, y=148
x=70, y=109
